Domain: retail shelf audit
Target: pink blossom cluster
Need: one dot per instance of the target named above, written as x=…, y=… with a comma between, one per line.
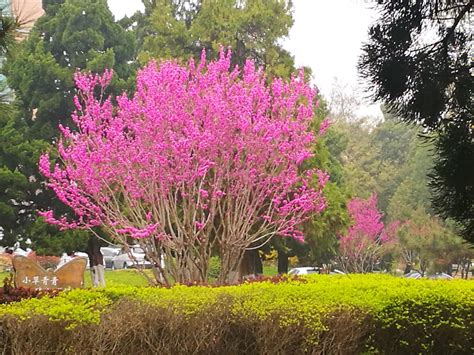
x=208, y=136
x=367, y=229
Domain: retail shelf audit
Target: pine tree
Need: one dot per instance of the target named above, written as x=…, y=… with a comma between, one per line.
x=72, y=35
x=419, y=61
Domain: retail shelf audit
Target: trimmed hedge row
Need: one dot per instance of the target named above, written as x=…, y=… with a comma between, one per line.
x=318, y=314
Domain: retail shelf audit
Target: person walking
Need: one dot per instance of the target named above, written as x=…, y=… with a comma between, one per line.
x=96, y=261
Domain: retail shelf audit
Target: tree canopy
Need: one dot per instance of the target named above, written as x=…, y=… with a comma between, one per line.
x=419, y=62
x=70, y=36
x=253, y=29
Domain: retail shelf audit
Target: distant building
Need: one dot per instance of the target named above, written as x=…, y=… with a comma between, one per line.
x=26, y=11
x=5, y=7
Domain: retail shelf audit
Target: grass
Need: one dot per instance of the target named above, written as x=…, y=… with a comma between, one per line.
x=270, y=270
x=119, y=278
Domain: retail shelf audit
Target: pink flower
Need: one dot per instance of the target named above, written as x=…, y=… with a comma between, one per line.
x=367, y=229
x=199, y=225
x=204, y=194
x=324, y=126
x=189, y=133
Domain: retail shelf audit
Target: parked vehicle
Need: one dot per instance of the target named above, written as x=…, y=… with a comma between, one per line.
x=123, y=260
x=412, y=275
x=438, y=276
x=306, y=270
x=20, y=251
x=64, y=259
x=109, y=253
x=83, y=255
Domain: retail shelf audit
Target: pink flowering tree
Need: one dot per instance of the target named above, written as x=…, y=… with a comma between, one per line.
x=202, y=158
x=367, y=240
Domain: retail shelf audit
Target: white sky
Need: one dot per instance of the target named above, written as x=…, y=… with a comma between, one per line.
x=326, y=36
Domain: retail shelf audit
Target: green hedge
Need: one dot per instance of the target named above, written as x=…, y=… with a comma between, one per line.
x=317, y=314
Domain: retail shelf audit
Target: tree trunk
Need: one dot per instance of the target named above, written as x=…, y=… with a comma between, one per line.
x=407, y=269
x=282, y=262
x=251, y=264
x=257, y=261
x=246, y=266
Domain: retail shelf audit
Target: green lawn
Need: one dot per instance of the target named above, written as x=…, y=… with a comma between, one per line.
x=119, y=277
x=270, y=270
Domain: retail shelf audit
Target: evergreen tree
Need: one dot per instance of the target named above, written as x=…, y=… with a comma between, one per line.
x=254, y=29
x=18, y=185
x=72, y=35
x=419, y=62
x=321, y=232
x=413, y=192
x=376, y=158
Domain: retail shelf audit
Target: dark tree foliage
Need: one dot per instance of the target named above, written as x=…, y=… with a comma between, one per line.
x=72, y=35
x=452, y=181
x=252, y=28
x=15, y=150
x=7, y=28
x=419, y=56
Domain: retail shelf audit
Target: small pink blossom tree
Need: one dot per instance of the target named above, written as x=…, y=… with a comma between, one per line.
x=201, y=158
x=366, y=240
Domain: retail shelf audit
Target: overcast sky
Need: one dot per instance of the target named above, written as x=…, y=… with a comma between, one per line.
x=326, y=36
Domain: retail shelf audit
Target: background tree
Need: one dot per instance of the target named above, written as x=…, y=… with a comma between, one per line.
x=343, y=102
x=413, y=191
x=419, y=57
x=70, y=36
x=366, y=241
x=18, y=161
x=426, y=245
x=8, y=178
x=18, y=154
x=254, y=29
x=322, y=230
x=390, y=159
x=373, y=158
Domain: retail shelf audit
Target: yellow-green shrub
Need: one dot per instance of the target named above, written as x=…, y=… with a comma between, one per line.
x=378, y=313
